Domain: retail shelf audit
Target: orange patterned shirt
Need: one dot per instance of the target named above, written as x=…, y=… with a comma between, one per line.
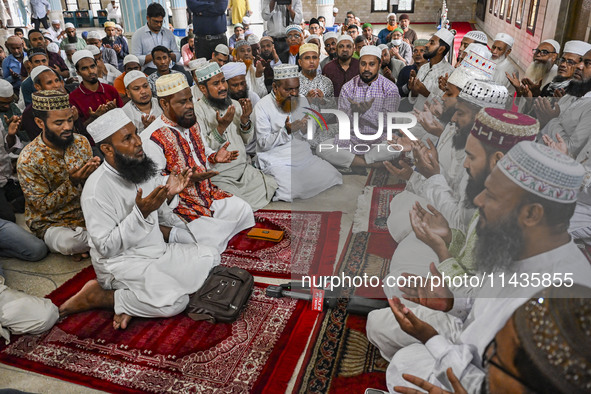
x=43, y=173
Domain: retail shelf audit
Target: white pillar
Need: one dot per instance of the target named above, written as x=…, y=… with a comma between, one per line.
x=179, y=13
x=56, y=12
x=324, y=8
x=133, y=13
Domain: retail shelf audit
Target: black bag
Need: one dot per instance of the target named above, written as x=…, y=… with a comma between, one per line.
x=223, y=295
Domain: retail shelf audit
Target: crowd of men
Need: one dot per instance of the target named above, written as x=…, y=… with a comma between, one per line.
x=149, y=156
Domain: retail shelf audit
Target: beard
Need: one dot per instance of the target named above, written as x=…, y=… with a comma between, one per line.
x=430, y=55
x=498, y=245
x=537, y=71
x=294, y=49
x=187, y=121
x=73, y=40
x=56, y=140
x=310, y=73
x=93, y=80
x=221, y=104
x=367, y=77
x=344, y=58
x=240, y=94
x=578, y=88
x=135, y=170
x=287, y=104
x=458, y=141
x=475, y=186
x=267, y=55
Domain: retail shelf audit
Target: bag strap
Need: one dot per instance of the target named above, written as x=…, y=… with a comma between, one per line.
x=201, y=317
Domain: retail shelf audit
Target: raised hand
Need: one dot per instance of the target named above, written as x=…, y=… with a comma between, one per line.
x=409, y=322
x=434, y=220
x=287, y=125
x=225, y=156
x=559, y=144
x=246, y=106
x=412, y=80
x=443, y=82
x=401, y=140
x=13, y=123
x=426, y=234
x=260, y=69
x=78, y=175
x=147, y=119
x=427, y=292
x=404, y=172
x=197, y=176
x=153, y=201
x=426, y=159
x=435, y=106
x=117, y=48
x=558, y=93
x=388, y=74
x=226, y=120
x=431, y=389
x=429, y=122
x=535, y=88
x=178, y=181
x=514, y=80
x=545, y=111
x=102, y=109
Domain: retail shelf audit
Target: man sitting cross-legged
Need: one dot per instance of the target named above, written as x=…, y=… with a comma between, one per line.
x=128, y=210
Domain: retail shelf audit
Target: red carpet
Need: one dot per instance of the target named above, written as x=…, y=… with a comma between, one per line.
x=309, y=246
x=380, y=207
x=257, y=353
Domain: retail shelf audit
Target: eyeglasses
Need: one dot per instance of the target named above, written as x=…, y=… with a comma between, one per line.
x=569, y=62
x=542, y=52
x=487, y=358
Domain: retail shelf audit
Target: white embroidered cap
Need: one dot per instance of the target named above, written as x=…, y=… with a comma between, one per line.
x=446, y=35
x=171, y=84
x=132, y=76
x=506, y=38
x=108, y=124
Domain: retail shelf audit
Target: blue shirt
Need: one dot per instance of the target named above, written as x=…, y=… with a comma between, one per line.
x=39, y=9
x=143, y=41
x=13, y=64
x=209, y=16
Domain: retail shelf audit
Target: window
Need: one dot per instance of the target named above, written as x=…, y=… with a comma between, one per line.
x=406, y=6
x=519, y=13
x=510, y=10
x=71, y=5
x=533, y=16
x=496, y=8
x=379, y=5
x=502, y=9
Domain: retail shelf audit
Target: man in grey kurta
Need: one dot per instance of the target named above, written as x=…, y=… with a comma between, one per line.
x=225, y=120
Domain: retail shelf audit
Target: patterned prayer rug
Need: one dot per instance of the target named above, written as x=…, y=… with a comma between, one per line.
x=342, y=359
x=257, y=353
x=309, y=245
x=373, y=208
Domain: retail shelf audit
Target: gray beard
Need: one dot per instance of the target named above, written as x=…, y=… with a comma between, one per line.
x=537, y=71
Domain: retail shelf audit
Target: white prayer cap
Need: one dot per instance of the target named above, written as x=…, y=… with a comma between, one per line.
x=484, y=93
x=121, y=28
x=195, y=64
x=478, y=49
x=207, y=70
x=371, y=50
x=445, y=35
x=69, y=47
x=311, y=37
x=459, y=77
x=477, y=36
x=38, y=70
x=285, y=71
x=506, y=38
x=344, y=37
x=382, y=47
x=335, y=10
x=246, y=20
x=93, y=49
x=53, y=48
x=69, y=26
x=79, y=55
x=131, y=58
x=252, y=39
x=577, y=47
x=171, y=84
x=479, y=67
x=93, y=34
x=223, y=49
x=54, y=21
x=543, y=171
x=291, y=28
x=132, y=76
x=390, y=14
x=108, y=124
x=554, y=43
x=330, y=35
x=233, y=69
x=6, y=90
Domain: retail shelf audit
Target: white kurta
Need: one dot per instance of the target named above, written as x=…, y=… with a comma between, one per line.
x=462, y=351
x=255, y=84
x=134, y=113
x=129, y=253
x=499, y=76
x=238, y=177
x=287, y=157
x=429, y=76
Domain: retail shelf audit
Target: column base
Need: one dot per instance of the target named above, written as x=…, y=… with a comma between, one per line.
x=179, y=18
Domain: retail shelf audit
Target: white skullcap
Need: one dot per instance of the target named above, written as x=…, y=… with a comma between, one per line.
x=285, y=71
x=445, y=35
x=121, y=28
x=371, y=50
x=171, y=84
x=69, y=47
x=132, y=76
x=131, y=58
x=38, y=70
x=252, y=39
x=53, y=48
x=543, y=171
x=335, y=10
x=477, y=36
x=478, y=49
x=554, y=43
x=207, y=70
x=69, y=25
x=344, y=37
x=459, y=77
x=390, y=14
x=246, y=20
x=233, y=69
x=484, y=93
x=6, y=90
x=382, y=47
x=93, y=49
x=93, y=34
x=108, y=124
x=506, y=38
x=311, y=37
x=330, y=35
x=79, y=55
x=195, y=64
x=577, y=47
x=223, y=49
x=54, y=21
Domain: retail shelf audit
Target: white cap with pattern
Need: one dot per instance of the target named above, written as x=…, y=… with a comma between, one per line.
x=484, y=93
x=506, y=38
x=171, y=84
x=132, y=76
x=285, y=71
x=207, y=71
x=108, y=124
x=477, y=36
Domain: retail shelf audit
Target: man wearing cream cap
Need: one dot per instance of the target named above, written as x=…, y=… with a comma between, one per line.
x=225, y=120
x=128, y=209
x=174, y=142
x=500, y=49
x=142, y=108
x=312, y=83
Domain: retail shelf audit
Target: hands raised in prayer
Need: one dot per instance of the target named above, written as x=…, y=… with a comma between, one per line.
x=401, y=140
x=177, y=182
x=426, y=159
x=409, y=323
x=534, y=88
x=260, y=69
x=431, y=228
x=558, y=93
x=102, y=109
x=360, y=106
x=429, y=122
x=13, y=124
x=428, y=292
x=435, y=106
x=545, y=110
x=404, y=172
x=226, y=120
x=431, y=389
x=197, y=177
x=78, y=175
x=147, y=120
x=153, y=201
x=246, y=106
x=416, y=86
x=443, y=82
x=515, y=81
x=559, y=144
x=386, y=72
x=225, y=156
x=297, y=125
